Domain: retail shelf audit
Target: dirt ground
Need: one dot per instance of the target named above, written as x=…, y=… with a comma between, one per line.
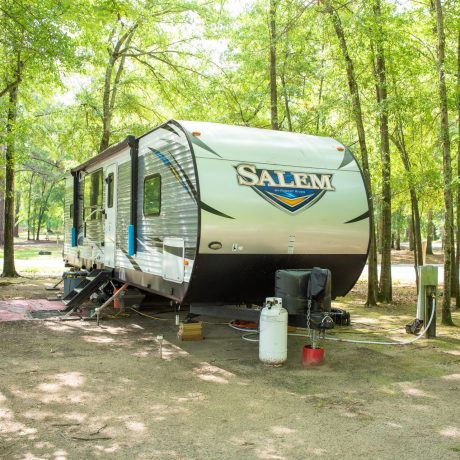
x=73, y=390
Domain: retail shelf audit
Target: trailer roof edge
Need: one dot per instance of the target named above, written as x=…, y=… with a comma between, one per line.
x=107, y=153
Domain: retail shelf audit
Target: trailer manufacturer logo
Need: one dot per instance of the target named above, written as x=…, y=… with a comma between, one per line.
x=288, y=190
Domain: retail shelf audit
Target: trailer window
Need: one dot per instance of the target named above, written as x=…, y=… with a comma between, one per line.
x=152, y=195
x=92, y=196
x=110, y=190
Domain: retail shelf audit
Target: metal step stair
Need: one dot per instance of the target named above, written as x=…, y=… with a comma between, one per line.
x=85, y=288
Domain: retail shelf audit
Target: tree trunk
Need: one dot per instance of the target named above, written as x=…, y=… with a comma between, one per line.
x=111, y=88
x=29, y=204
x=39, y=221
x=358, y=118
x=398, y=230
x=415, y=238
x=457, y=266
x=285, y=93
x=411, y=235
x=2, y=206
x=273, y=88
x=9, y=269
x=429, y=232
x=447, y=166
x=378, y=227
x=43, y=207
x=418, y=249
x=106, y=112
x=40, y=210
x=453, y=277
x=385, y=288
x=16, y=217
x=34, y=218
x=39, y=227
x=319, y=116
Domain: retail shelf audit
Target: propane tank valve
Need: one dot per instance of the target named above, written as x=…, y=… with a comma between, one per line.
x=272, y=301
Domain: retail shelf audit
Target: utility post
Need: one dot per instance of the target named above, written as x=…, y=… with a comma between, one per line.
x=427, y=298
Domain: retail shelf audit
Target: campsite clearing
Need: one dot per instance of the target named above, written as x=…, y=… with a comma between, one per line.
x=72, y=390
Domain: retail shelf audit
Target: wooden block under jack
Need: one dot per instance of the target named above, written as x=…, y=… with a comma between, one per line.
x=190, y=338
x=190, y=331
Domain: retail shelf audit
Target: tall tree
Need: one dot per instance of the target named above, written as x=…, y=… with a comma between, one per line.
x=358, y=118
x=285, y=91
x=399, y=140
x=9, y=269
x=272, y=67
x=29, y=205
x=34, y=41
x=2, y=204
x=429, y=232
x=135, y=62
x=115, y=65
x=457, y=255
x=385, y=288
x=444, y=139
x=16, y=214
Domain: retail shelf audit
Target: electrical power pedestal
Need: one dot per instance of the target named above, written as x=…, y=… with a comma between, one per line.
x=427, y=297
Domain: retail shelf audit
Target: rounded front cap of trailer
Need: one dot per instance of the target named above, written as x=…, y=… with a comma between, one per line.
x=263, y=146
x=273, y=200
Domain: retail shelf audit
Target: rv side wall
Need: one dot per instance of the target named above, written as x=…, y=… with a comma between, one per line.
x=167, y=215
x=68, y=213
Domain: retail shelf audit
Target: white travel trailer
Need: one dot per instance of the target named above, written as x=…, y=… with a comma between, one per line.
x=206, y=213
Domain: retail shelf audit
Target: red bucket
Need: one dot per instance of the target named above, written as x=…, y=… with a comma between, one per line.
x=312, y=356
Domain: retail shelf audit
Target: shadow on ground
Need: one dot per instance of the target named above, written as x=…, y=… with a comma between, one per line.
x=72, y=390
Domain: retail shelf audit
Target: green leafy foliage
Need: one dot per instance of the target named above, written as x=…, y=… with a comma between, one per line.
x=101, y=69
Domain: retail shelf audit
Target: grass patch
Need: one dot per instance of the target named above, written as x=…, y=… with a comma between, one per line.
x=31, y=270
x=31, y=252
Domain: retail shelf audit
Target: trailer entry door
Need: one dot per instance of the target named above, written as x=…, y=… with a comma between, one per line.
x=110, y=208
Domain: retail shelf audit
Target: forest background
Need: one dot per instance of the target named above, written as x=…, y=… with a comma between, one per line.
x=382, y=76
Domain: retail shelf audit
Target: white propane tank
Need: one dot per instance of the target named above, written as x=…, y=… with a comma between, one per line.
x=273, y=328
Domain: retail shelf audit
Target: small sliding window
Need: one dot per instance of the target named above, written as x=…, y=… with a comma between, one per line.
x=152, y=195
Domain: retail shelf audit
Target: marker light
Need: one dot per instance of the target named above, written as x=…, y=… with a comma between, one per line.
x=340, y=148
x=196, y=133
